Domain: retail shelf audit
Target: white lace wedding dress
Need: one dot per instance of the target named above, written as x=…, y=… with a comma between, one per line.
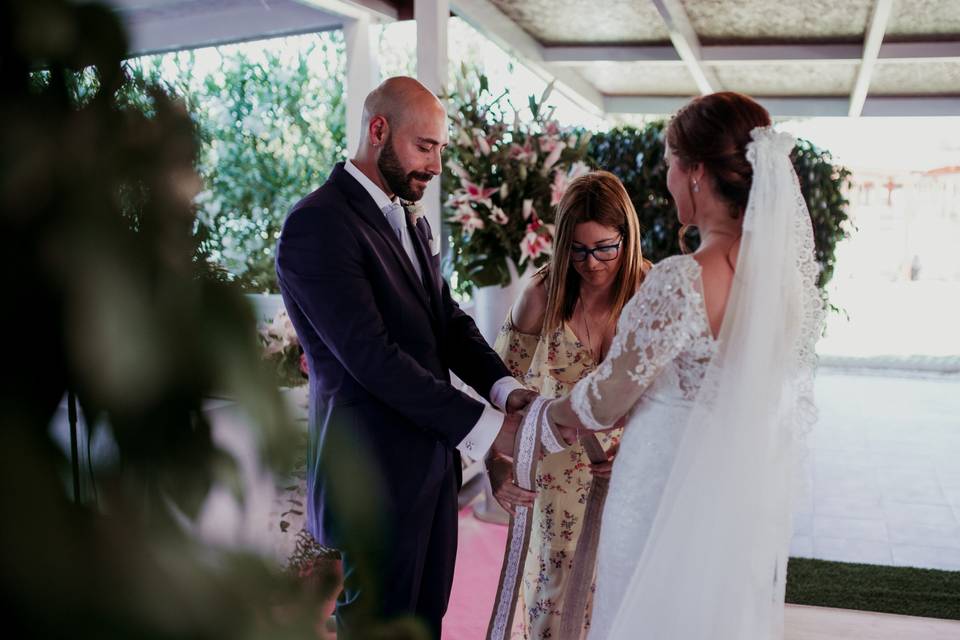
x=655, y=365
x=695, y=532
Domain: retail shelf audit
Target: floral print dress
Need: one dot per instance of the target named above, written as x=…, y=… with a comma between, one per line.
x=552, y=364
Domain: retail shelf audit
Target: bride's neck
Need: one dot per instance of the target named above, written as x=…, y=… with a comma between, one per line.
x=719, y=228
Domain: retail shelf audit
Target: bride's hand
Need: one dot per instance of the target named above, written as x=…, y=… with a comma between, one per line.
x=505, y=491
x=604, y=469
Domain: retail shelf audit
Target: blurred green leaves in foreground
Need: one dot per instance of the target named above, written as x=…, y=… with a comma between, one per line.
x=108, y=294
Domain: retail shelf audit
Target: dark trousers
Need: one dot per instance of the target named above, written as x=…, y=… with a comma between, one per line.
x=408, y=572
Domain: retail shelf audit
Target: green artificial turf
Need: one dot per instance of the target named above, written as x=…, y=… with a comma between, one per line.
x=903, y=590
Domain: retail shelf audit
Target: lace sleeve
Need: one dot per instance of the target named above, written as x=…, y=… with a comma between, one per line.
x=655, y=325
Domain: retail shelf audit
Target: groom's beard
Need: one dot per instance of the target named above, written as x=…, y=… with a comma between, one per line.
x=400, y=182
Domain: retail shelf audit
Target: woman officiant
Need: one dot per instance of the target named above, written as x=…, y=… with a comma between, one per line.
x=557, y=332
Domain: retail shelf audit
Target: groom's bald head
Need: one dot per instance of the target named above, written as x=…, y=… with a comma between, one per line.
x=404, y=133
x=396, y=99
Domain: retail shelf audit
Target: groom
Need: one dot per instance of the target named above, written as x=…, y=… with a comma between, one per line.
x=381, y=334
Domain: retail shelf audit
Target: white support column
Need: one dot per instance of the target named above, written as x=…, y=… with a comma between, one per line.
x=362, y=75
x=432, y=18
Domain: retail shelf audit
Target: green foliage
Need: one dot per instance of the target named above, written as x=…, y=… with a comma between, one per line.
x=270, y=126
x=96, y=208
x=635, y=155
x=908, y=591
x=824, y=187
x=272, y=130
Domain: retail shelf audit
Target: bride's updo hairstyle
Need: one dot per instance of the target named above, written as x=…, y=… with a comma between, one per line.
x=714, y=130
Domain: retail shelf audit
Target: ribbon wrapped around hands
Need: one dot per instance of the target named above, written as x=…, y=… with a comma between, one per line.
x=537, y=436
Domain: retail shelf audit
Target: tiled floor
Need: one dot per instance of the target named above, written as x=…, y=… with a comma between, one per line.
x=884, y=472
x=819, y=623
x=478, y=570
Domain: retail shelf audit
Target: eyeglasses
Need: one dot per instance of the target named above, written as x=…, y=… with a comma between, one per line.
x=604, y=253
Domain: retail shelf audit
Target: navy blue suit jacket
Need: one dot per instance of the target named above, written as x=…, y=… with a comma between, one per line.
x=380, y=344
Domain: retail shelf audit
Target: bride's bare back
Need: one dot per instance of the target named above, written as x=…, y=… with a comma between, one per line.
x=717, y=267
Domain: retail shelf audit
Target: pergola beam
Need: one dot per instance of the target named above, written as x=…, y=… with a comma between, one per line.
x=176, y=27
x=610, y=53
x=912, y=106
x=871, y=49
x=687, y=44
x=802, y=106
x=920, y=50
x=373, y=10
x=489, y=20
x=725, y=53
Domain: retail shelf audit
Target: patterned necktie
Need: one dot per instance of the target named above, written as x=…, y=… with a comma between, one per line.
x=397, y=218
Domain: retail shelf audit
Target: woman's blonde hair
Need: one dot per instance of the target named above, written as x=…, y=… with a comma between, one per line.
x=598, y=197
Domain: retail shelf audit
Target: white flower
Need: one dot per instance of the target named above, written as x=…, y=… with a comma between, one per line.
x=528, y=209
x=499, y=216
x=415, y=211
x=254, y=124
x=552, y=158
x=457, y=170
x=561, y=181
x=279, y=335
x=482, y=144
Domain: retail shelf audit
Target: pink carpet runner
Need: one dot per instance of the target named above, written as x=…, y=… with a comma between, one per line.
x=479, y=554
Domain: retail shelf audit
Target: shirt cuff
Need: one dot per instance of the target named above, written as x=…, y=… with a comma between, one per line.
x=501, y=390
x=481, y=437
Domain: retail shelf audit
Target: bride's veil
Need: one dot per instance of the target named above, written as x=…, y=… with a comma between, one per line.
x=715, y=563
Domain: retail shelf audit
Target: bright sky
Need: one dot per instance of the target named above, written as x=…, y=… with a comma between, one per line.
x=892, y=144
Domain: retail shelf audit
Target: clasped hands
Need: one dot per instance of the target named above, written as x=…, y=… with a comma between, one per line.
x=500, y=464
x=517, y=403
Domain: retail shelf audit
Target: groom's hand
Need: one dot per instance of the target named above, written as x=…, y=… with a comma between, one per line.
x=520, y=399
x=503, y=444
x=505, y=490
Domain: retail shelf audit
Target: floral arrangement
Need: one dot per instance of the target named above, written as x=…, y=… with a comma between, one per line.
x=281, y=348
x=503, y=182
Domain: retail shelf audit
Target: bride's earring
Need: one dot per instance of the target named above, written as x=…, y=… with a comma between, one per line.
x=696, y=187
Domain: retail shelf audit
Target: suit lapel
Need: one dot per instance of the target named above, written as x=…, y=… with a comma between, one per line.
x=422, y=242
x=361, y=202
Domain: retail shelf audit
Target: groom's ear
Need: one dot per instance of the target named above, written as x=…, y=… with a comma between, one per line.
x=378, y=131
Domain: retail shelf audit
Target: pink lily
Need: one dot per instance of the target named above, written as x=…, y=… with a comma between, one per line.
x=534, y=245
x=468, y=220
x=477, y=193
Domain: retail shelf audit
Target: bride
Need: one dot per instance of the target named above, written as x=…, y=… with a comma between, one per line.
x=712, y=367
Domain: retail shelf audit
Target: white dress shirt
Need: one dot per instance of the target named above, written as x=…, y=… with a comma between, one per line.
x=481, y=437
